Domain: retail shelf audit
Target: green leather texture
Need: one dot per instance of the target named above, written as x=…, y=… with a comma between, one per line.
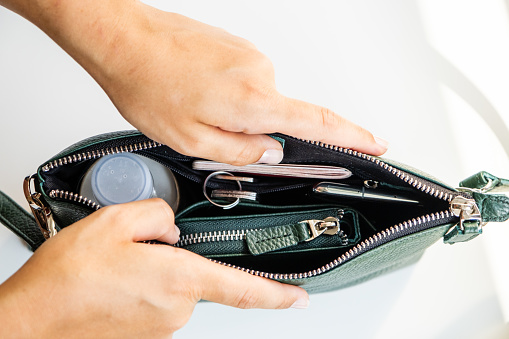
x=493, y=207
x=484, y=179
x=471, y=229
x=20, y=222
x=264, y=218
x=276, y=238
x=380, y=260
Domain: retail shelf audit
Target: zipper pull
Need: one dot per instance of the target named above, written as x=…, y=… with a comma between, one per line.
x=470, y=225
x=275, y=238
x=329, y=226
x=465, y=208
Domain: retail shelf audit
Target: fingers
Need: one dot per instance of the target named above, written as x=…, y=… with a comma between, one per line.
x=285, y=115
x=150, y=219
x=234, y=148
x=311, y=122
x=232, y=287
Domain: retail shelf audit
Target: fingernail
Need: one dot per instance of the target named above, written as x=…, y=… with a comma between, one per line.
x=271, y=156
x=301, y=304
x=177, y=230
x=382, y=142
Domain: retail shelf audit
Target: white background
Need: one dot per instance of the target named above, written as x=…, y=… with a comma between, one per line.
x=414, y=72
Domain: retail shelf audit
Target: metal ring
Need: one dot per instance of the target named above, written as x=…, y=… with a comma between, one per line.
x=488, y=186
x=211, y=175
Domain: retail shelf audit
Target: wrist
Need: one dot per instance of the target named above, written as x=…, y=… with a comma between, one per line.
x=93, y=32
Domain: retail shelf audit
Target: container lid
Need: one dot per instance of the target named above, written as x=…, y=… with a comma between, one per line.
x=121, y=178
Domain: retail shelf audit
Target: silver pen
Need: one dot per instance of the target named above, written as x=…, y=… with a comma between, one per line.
x=360, y=192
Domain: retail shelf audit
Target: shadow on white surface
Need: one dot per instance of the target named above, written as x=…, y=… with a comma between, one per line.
x=369, y=61
x=355, y=312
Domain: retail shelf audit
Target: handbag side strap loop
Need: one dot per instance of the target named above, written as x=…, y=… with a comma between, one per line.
x=20, y=222
x=491, y=195
x=492, y=201
x=486, y=182
x=493, y=207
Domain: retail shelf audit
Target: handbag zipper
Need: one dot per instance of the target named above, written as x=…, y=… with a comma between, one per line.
x=459, y=211
x=317, y=228
x=66, y=195
x=213, y=236
x=372, y=242
x=414, y=181
x=89, y=155
x=393, y=232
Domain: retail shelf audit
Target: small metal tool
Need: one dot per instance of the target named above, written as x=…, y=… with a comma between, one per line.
x=234, y=194
x=228, y=194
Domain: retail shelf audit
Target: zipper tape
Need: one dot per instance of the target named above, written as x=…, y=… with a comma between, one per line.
x=407, y=227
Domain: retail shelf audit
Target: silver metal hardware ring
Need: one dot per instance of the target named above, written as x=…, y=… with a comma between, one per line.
x=211, y=175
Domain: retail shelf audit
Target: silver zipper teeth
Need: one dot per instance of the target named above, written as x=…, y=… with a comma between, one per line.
x=74, y=197
x=204, y=237
x=397, y=172
x=377, y=238
x=141, y=146
x=231, y=235
x=241, y=235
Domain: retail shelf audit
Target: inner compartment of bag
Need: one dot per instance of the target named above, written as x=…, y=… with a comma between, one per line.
x=275, y=191
x=210, y=236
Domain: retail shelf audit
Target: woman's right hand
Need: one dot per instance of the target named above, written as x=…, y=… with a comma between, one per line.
x=194, y=87
x=97, y=279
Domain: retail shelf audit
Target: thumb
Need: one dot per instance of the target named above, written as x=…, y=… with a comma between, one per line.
x=237, y=148
x=150, y=219
x=312, y=122
x=232, y=287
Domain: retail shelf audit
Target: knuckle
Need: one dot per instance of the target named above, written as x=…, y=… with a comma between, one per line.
x=163, y=205
x=115, y=216
x=113, y=212
x=245, y=155
x=283, y=305
x=247, y=299
x=190, y=144
x=258, y=95
x=330, y=120
x=192, y=293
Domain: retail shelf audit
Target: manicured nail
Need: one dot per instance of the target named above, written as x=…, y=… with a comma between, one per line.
x=382, y=142
x=301, y=304
x=177, y=230
x=271, y=156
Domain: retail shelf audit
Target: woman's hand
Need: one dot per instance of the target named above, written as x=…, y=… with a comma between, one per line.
x=95, y=279
x=191, y=86
x=213, y=95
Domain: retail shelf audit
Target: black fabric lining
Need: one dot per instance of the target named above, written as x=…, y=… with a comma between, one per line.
x=271, y=191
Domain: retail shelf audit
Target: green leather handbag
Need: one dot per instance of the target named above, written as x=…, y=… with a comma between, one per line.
x=321, y=234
